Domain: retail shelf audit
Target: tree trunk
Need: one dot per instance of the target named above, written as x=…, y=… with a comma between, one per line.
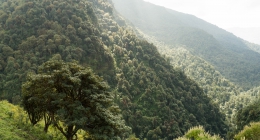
x=69, y=137
x=47, y=121
x=70, y=133
x=46, y=127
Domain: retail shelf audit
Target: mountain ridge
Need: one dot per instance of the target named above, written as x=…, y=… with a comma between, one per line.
x=226, y=94
x=250, y=34
x=232, y=57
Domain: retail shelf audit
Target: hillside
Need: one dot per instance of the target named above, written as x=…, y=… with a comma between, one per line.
x=15, y=126
x=254, y=47
x=226, y=52
x=226, y=94
x=156, y=100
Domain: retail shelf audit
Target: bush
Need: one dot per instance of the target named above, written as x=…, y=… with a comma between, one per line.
x=251, y=132
x=198, y=133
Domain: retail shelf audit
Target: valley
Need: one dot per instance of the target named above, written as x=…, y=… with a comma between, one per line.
x=226, y=52
x=157, y=84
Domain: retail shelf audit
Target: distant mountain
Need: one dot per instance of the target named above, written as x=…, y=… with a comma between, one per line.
x=254, y=47
x=249, y=34
x=226, y=52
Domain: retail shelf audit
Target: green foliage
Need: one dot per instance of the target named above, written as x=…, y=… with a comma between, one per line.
x=132, y=137
x=227, y=95
x=38, y=29
x=157, y=101
x=250, y=132
x=71, y=98
x=226, y=52
x=15, y=126
x=148, y=87
x=195, y=132
x=198, y=133
x=247, y=115
x=201, y=51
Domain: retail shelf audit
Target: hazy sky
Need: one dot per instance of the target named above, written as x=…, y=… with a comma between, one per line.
x=223, y=13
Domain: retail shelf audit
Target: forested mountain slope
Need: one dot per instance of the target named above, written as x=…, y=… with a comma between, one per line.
x=157, y=101
x=226, y=52
x=226, y=94
x=254, y=47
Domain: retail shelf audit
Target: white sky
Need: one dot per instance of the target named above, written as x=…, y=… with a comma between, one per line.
x=223, y=13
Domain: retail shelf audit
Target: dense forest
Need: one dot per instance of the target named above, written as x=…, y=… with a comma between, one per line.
x=229, y=54
x=155, y=99
x=229, y=96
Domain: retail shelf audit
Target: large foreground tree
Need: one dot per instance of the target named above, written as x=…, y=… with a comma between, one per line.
x=72, y=97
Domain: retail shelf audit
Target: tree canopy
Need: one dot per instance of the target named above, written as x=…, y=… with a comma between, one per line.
x=157, y=101
x=248, y=114
x=198, y=133
x=72, y=97
x=250, y=132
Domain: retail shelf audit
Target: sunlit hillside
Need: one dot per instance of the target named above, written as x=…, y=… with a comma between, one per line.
x=223, y=50
x=14, y=125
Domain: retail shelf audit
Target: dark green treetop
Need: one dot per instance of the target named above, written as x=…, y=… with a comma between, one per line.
x=248, y=114
x=72, y=97
x=243, y=119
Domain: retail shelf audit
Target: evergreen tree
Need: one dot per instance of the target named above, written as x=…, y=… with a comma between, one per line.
x=247, y=115
x=72, y=97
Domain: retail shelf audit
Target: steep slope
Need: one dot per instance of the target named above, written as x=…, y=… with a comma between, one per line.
x=156, y=100
x=254, y=47
x=226, y=94
x=143, y=78
x=247, y=115
x=227, y=53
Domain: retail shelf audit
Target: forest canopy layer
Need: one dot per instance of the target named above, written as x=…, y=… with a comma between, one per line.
x=157, y=101
x=230, y=55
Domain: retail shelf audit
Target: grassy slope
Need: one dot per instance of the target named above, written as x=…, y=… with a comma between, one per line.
x=15, y=126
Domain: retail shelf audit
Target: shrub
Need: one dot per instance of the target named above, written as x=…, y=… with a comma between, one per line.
x=198, y=133
x=251, y=132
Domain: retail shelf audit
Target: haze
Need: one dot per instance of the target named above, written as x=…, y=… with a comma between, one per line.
x=226, y=14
